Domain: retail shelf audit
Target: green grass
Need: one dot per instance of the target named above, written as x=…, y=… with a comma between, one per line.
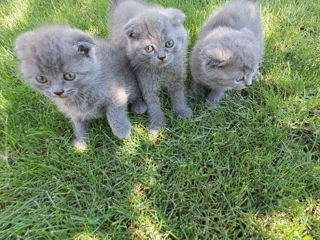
x=248, y=170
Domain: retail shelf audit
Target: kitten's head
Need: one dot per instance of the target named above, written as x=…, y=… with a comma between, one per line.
x=156, y=37
x=229, y=62
x=56, y=60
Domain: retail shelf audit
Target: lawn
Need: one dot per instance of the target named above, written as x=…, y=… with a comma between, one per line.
x=248, y=170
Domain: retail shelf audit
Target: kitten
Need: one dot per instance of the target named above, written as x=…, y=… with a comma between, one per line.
x=86, y=78
x=155, y=42
x=228, y=51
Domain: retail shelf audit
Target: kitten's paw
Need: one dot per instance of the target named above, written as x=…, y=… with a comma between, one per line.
x=80, y=144
x=213, y=99
x=124, y=131
x=154, y=130
x=211, y=104
x=139, y=107
x=185, y=112
x=156, y=124
x=193, y=93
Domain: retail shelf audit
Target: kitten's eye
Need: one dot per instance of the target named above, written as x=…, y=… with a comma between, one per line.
x=169, y=44
x=69, y=76
x=41, y=79
x=149, y=49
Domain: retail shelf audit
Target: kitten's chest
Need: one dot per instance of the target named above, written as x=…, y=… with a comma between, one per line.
x=84, y=110
x=162, y=77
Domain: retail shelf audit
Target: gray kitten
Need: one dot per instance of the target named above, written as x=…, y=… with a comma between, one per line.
x=228, y=51
x=155, y=42
x=86, y=78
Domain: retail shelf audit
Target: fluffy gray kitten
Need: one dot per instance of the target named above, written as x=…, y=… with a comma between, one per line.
x=85, y=77
x=228, y=51
x=155, y=42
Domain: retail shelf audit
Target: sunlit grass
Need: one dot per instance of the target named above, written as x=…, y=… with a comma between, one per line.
x=147, y=225
x=248, y=170
x=3, y=102
x=86, y=236
x=300, y=221
x=13, y=13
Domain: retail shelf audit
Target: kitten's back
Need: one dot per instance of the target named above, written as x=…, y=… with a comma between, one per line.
x=236, y=14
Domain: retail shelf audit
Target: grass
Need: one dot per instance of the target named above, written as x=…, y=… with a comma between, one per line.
x=248, y=170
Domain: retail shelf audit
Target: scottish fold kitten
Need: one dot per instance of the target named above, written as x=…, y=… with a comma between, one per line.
x=155, y=42
x=85, y=77
x=228, y=51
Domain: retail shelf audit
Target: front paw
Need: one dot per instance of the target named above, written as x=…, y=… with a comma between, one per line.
x=123, y=131
x=185, y=112
x=80, y=144
x=157, y=123
x=214, y=98
x=194, y=93
x=139, y=107
x=211, y=104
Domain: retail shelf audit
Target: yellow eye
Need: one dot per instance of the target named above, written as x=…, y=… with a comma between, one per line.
x=41, y=79
x=69, y=76
x=149, y=49
x=169, y=44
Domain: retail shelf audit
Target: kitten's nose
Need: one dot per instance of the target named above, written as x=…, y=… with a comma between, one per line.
x=59, y=93
x=162, y=57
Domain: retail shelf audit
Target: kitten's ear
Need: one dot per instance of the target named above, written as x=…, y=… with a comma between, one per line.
x=212, y=62
x=85, y=48
x=21, y=42
x=131, y=29
x=176, y=15
x=217, y=56
x=83, y=43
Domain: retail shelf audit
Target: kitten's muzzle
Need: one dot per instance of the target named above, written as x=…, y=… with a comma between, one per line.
x=163, y=61
x=161, y=55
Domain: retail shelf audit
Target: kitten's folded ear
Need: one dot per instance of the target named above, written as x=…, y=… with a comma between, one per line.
x=216, y=56
x=130, y=29
x=213, y=62
x=20, y=45
x=176, y=15
x=85, y=46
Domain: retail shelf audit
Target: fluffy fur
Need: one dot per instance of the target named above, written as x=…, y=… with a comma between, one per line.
x=228, y=51
x=155, y=42
x=85, y=77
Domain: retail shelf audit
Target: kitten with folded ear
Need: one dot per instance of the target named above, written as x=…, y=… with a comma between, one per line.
x=228, y=51
x=155, y=42
x=85, y=77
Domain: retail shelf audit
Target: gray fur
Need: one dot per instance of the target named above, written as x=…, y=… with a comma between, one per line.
x=103, y=85
x=136, y=25
x=228, y=51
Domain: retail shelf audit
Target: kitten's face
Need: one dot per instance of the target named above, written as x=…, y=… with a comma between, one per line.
x=156, y=39
x=225, y=67
x=58, y=62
